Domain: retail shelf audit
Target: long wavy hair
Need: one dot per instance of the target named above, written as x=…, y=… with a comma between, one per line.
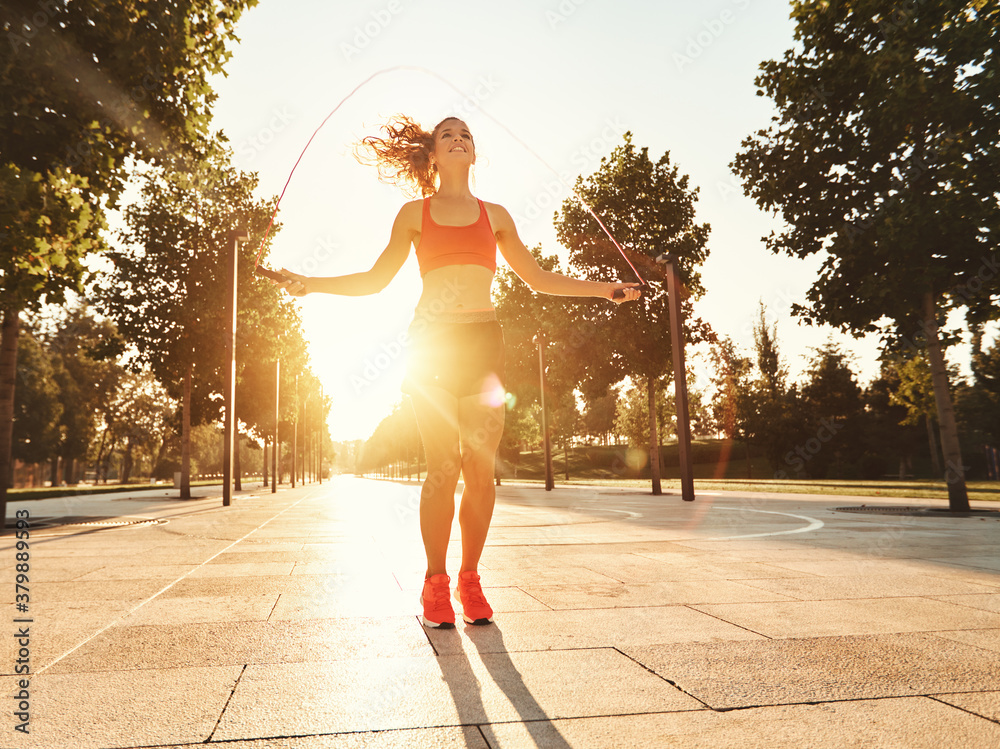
x=403, y=156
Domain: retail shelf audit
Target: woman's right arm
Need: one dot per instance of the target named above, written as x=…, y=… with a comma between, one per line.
x=372, y=281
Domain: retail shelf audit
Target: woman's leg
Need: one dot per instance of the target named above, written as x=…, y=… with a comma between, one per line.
x=480, y=427
x=437, y=414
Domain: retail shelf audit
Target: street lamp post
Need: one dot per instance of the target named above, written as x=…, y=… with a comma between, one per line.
x=274, y=446
x=322, y=433
x=235, y=237
x=549, y=480
x=668, y=260
x=295, y=433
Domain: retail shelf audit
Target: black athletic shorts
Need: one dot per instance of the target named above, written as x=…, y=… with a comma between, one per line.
x=464, y=358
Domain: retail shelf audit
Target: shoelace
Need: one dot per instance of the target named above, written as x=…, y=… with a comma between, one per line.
x=473, y=592
x=439, y=594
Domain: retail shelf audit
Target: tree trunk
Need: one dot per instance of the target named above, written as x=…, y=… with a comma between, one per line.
x=69, y=471
x=654, y=438
x=932, y=445
x=8, y=376
x=98, y=462
x=186, y=437
x=958, y=498
x=265, y=462
x=126, y=462
x=161, y=451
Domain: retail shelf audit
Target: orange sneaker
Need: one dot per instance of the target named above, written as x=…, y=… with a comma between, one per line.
x=475, y=609
x=435, y=598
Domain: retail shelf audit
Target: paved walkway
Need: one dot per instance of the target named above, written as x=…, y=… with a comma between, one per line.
x=623, y=620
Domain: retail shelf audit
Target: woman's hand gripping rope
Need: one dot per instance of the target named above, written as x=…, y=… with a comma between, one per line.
x=624, y=292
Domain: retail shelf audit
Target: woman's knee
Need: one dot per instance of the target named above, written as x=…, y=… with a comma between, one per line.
x=443, y=468
x=478, y=466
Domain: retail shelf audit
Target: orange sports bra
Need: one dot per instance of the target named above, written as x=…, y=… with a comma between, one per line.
x=473, y=244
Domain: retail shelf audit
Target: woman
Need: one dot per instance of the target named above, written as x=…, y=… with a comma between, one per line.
x=455, y=377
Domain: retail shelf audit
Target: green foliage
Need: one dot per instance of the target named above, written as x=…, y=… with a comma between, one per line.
x=632, y=414
x=599, y=416
x=891, y=445
x=524, y=315
x=85, y=86
x=979, y=402
x=915, y=389
x=81, y=347
x=730, y=382
x=883, y=157
x=38, y=407
x=832, y=408
x=650, y=209
x=170, y=285
x=48, y=223
x=771, y=421
x=522, y=430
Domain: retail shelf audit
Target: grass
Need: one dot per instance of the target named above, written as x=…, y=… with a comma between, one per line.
x=716, y=467
x=47, y=492
x=988, y=491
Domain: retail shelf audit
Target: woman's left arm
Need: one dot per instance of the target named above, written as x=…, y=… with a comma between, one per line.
x=523, y=263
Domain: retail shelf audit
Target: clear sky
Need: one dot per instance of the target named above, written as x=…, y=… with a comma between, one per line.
x=567, y=77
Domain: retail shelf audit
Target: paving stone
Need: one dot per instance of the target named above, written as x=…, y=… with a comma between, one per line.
x=317, y=602
x=986, y=562
x=846, y=617
x=110, y=709
x=466, y=689
x=227, y=643
x=181, y=611
x=557, y=630
x=649, y=594
x=984, y=602
x=193, y=587
x=985, y=704
x=868, y=586
x=59, y=627
x=819, y=669
x=545, y=575
x=81, y=590
x=423, y=738
x=987, y=639
x=913, y=722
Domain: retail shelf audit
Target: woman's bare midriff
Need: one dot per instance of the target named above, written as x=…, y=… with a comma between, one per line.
x=456, y=289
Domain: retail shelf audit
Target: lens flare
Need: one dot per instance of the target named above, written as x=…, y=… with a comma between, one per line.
x=493, y=394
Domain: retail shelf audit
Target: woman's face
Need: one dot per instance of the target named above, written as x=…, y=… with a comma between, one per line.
x=453, y=142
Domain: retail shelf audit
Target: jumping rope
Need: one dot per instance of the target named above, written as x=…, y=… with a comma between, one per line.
x=279, y=277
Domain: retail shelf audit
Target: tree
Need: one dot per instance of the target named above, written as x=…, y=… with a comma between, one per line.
x=772, y=420
x=832, y=406
x=85, y=87
x=632, y=414
x=36, y=418
x=731, y=371
x=986, y=383
x=167, y=291
x=650, y=209
x=888, y=433
x=880, y=161
x=83, y=349
x=599, y=416
x=915, y=392
x=524, y=315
